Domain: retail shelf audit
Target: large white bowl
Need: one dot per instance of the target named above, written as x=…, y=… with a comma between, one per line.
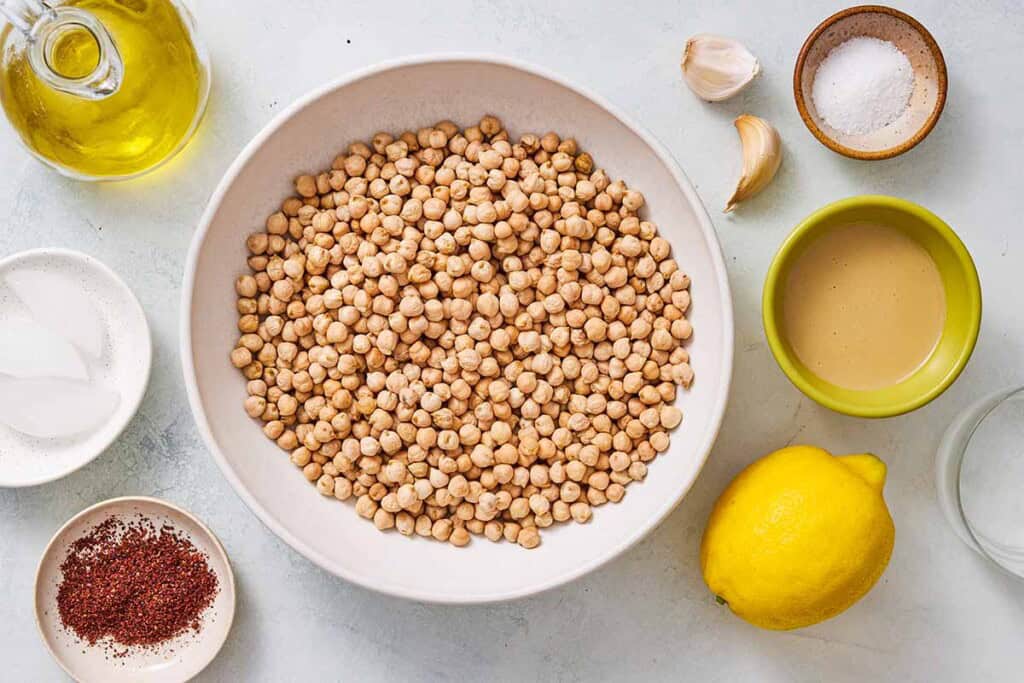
x=402, y=95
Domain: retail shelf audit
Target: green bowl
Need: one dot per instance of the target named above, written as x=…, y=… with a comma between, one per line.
x=963, y=306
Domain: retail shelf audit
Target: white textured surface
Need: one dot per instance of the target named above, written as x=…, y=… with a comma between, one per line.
x=939, y=613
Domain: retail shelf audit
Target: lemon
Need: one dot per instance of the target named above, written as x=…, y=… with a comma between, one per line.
x=798, y=536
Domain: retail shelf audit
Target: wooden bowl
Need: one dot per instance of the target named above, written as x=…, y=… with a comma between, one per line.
x=930, y=81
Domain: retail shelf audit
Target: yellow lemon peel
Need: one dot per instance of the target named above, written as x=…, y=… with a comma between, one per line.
x=798, y=537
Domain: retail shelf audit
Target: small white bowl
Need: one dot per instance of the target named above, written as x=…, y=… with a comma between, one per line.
x=124, y=365
x=178, y=660
x=305, y=137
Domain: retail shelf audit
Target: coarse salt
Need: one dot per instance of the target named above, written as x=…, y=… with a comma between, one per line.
x=863, y=85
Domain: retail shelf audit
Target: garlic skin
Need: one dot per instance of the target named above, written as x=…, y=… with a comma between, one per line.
x=717, y=68
x=762, y=156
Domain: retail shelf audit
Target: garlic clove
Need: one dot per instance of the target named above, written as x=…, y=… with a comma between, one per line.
x=717, y=68
x=762, y=155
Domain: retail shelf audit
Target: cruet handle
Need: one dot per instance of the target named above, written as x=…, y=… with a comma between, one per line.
x=42, y=24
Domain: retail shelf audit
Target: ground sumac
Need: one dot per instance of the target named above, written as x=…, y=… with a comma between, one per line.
x=135, y=583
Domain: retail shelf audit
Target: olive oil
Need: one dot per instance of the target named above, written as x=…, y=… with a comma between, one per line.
x=75, y=53
x=158, y=101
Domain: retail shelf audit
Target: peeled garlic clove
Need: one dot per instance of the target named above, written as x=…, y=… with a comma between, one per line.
x=762, y=155
x=717, y=68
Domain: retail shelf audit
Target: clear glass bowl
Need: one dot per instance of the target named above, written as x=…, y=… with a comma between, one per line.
x=980, y=478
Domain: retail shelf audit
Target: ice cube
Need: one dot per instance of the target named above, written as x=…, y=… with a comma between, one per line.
x=51, y=408
x=27, y=349
x=58, y=303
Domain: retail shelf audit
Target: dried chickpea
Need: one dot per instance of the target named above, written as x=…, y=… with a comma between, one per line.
x=464, y=333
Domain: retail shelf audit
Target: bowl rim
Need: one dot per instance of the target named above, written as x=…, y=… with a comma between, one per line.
x=772, y=292
x=229, y=589
x=684, y=184
x=922, y=132
x=136, y=401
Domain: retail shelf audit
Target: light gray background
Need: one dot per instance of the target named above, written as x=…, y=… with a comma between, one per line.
x=939, y=612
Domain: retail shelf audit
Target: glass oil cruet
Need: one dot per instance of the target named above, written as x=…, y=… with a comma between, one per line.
x=102, y=89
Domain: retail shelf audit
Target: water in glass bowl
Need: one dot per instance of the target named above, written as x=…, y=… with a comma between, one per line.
x=992, y=483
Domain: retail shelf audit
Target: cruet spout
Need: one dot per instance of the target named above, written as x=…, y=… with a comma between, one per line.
x=44, y=27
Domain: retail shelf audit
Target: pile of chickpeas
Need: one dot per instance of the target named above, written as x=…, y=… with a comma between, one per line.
x=464, y=334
